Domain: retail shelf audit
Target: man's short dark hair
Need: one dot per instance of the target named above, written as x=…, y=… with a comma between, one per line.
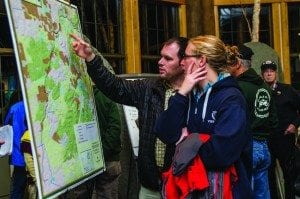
x=182, y=42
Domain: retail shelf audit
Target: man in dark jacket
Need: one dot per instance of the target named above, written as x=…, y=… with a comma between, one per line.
x=150, y=97
x=262, y=116
x=282, y=141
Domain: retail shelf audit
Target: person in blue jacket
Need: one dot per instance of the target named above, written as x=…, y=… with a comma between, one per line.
x=212, y=104
x=16, y=117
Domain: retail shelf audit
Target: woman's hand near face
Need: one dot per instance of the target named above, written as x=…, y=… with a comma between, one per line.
x=193, y=76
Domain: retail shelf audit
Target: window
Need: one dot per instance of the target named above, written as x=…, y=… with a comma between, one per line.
x=9, y=78
x=294, y=39
x=159, y=21
x=234, y=28
x=10, y=86
x=101, y=23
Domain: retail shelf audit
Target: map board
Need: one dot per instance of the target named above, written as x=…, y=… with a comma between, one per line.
x=57, y=93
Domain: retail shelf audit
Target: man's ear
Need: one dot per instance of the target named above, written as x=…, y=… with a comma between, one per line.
x=234, y=68
x=238, y=64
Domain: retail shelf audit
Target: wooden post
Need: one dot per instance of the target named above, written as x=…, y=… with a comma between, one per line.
x=200, y=17
x=132, y=38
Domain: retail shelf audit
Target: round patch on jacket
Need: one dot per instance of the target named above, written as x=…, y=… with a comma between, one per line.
x=262, y=103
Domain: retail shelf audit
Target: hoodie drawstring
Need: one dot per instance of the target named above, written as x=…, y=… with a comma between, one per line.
x=205, y=103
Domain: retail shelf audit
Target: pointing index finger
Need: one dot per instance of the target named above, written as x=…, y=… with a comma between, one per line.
x=74, y=37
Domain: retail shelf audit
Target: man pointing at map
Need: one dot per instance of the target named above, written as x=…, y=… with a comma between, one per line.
x=150, y=97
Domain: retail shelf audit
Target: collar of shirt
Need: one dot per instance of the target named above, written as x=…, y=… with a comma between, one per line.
x=274, y=86
x=199, y=92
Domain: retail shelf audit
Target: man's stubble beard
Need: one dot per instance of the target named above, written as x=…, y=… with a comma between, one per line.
x=179, y=77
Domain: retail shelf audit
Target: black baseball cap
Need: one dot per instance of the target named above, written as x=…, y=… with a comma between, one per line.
x=245, y=52
x=268, y=65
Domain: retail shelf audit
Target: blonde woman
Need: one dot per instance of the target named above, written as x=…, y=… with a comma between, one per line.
x=213, y=105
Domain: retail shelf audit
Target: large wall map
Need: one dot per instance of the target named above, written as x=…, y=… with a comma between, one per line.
x=58, y=94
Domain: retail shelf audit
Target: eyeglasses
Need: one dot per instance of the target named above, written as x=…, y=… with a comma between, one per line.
x=187, y=56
